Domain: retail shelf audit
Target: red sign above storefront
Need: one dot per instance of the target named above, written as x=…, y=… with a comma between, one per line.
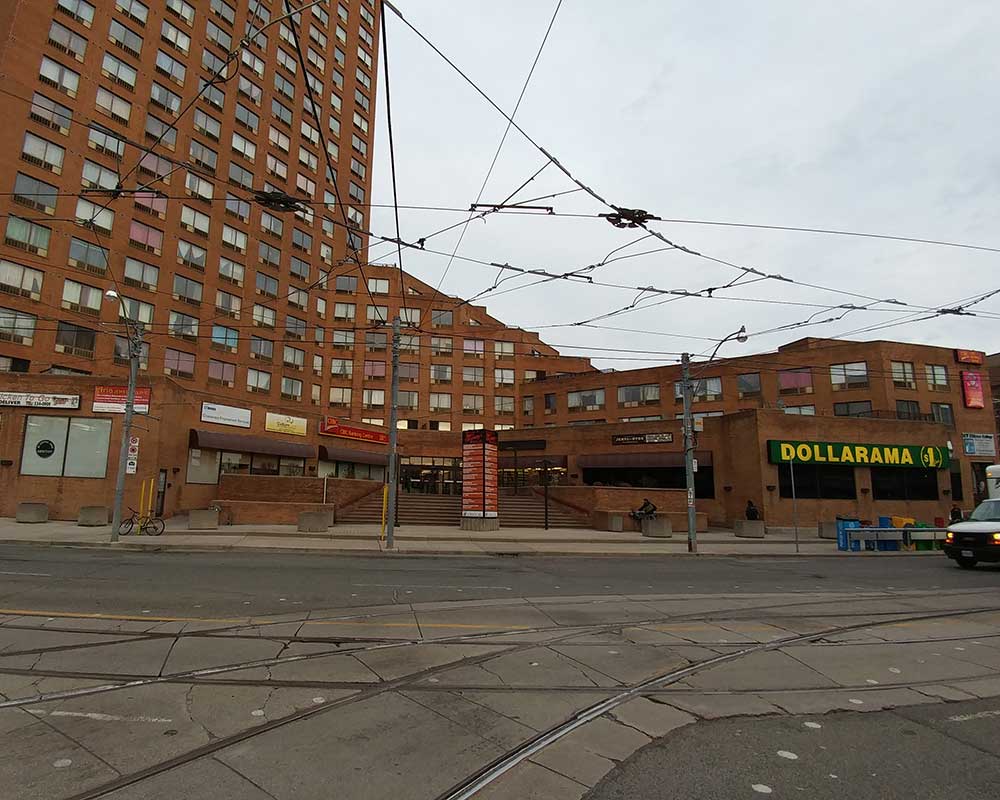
x=112, y=399
x=972, y=389
x=968, y=357
x=331, y=426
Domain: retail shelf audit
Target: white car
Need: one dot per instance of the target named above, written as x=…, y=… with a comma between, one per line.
x=978, y=538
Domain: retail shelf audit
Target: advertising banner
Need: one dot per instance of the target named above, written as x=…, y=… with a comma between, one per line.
x=111, y=399
x=972, y=389
x=882, y=455
x=225, y=415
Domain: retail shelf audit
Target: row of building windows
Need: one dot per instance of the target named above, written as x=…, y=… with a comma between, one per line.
x=843, y=377
x=175, y=71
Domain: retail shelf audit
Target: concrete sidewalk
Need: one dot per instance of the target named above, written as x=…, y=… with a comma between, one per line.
x=422, y=540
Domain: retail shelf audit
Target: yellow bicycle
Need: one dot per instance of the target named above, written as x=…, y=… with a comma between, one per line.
x=147, y=525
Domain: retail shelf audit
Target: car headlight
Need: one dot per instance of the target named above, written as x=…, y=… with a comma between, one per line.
x=996, y=538
x=949, y=537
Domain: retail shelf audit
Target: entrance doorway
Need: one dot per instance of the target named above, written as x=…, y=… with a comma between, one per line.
x=430, y=475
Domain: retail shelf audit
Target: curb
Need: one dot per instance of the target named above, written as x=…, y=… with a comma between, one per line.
x=159, y=546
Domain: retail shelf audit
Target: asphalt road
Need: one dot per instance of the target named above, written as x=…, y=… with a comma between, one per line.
x=267, y=676
x=268, y=583
x=936, y=752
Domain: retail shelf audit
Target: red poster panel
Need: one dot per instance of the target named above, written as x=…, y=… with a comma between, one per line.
x=972, y=389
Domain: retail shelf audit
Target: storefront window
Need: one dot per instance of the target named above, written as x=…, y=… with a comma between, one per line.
x=203, y=466
x=238, y=463
x=890, y=483
x=292, y=466
x=818, y=482
x=66, y=447
x=261, y=464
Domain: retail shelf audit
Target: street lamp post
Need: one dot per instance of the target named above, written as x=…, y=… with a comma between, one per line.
x=133, y=330
x=687, y=391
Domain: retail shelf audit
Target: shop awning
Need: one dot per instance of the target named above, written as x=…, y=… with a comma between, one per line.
x=245, y=443
x=641, y=460
x=328, y=453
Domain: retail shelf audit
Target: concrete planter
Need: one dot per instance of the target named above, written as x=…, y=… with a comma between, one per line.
x=32, y=512
x=203, y=519
x=749, y=528
x=657, y=527
x=315, y=521
x=92, y=516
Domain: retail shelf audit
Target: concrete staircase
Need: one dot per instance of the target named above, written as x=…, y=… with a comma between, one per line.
x=434, y=509
x=414, y=509
x=529, y=512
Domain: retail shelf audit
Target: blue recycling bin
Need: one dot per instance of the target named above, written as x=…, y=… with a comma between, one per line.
x=885, y=522
x=843, y=525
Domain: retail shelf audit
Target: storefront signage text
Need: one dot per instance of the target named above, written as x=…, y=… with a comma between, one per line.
x=331, y=426
x=885, y=455
x=968, y=357
x=225, y=415
x=283, y=423
x=979, y=444
x=27, y=400
x=111, y=399
x=642, y=438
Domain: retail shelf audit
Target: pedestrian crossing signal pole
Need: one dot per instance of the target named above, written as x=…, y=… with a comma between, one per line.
x=393, y=480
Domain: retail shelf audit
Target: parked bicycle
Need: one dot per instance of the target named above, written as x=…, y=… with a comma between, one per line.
x=144, y=525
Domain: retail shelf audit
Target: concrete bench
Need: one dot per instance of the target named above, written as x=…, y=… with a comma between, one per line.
x=315, y=521
x=92, y=516
x=203, y=519
x=32, y=512
x=749, y=528
x=657, y=527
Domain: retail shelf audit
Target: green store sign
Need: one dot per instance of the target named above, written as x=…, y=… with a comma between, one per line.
x=883, y=455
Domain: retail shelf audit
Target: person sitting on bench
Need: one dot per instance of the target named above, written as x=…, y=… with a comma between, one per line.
x=646, y=511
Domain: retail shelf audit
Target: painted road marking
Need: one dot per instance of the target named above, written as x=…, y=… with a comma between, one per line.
x=32, y=574
x=426, y=586
x=94, y=716
x=978, y=715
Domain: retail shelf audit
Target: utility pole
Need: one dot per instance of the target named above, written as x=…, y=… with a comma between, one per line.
x=688, y=423
x=393, y=438
x=133, y=329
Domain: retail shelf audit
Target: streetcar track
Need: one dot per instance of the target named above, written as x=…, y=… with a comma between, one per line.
x=486, y=775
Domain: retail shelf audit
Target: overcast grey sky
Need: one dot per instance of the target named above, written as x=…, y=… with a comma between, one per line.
x=869, y=116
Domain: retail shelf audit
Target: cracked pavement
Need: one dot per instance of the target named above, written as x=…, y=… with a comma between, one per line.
x=572, y=678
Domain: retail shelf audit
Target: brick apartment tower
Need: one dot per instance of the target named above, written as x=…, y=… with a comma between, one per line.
x=232, y=293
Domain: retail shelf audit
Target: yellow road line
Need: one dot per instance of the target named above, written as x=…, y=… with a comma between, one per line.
x=22, y=612
x=460, y=625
